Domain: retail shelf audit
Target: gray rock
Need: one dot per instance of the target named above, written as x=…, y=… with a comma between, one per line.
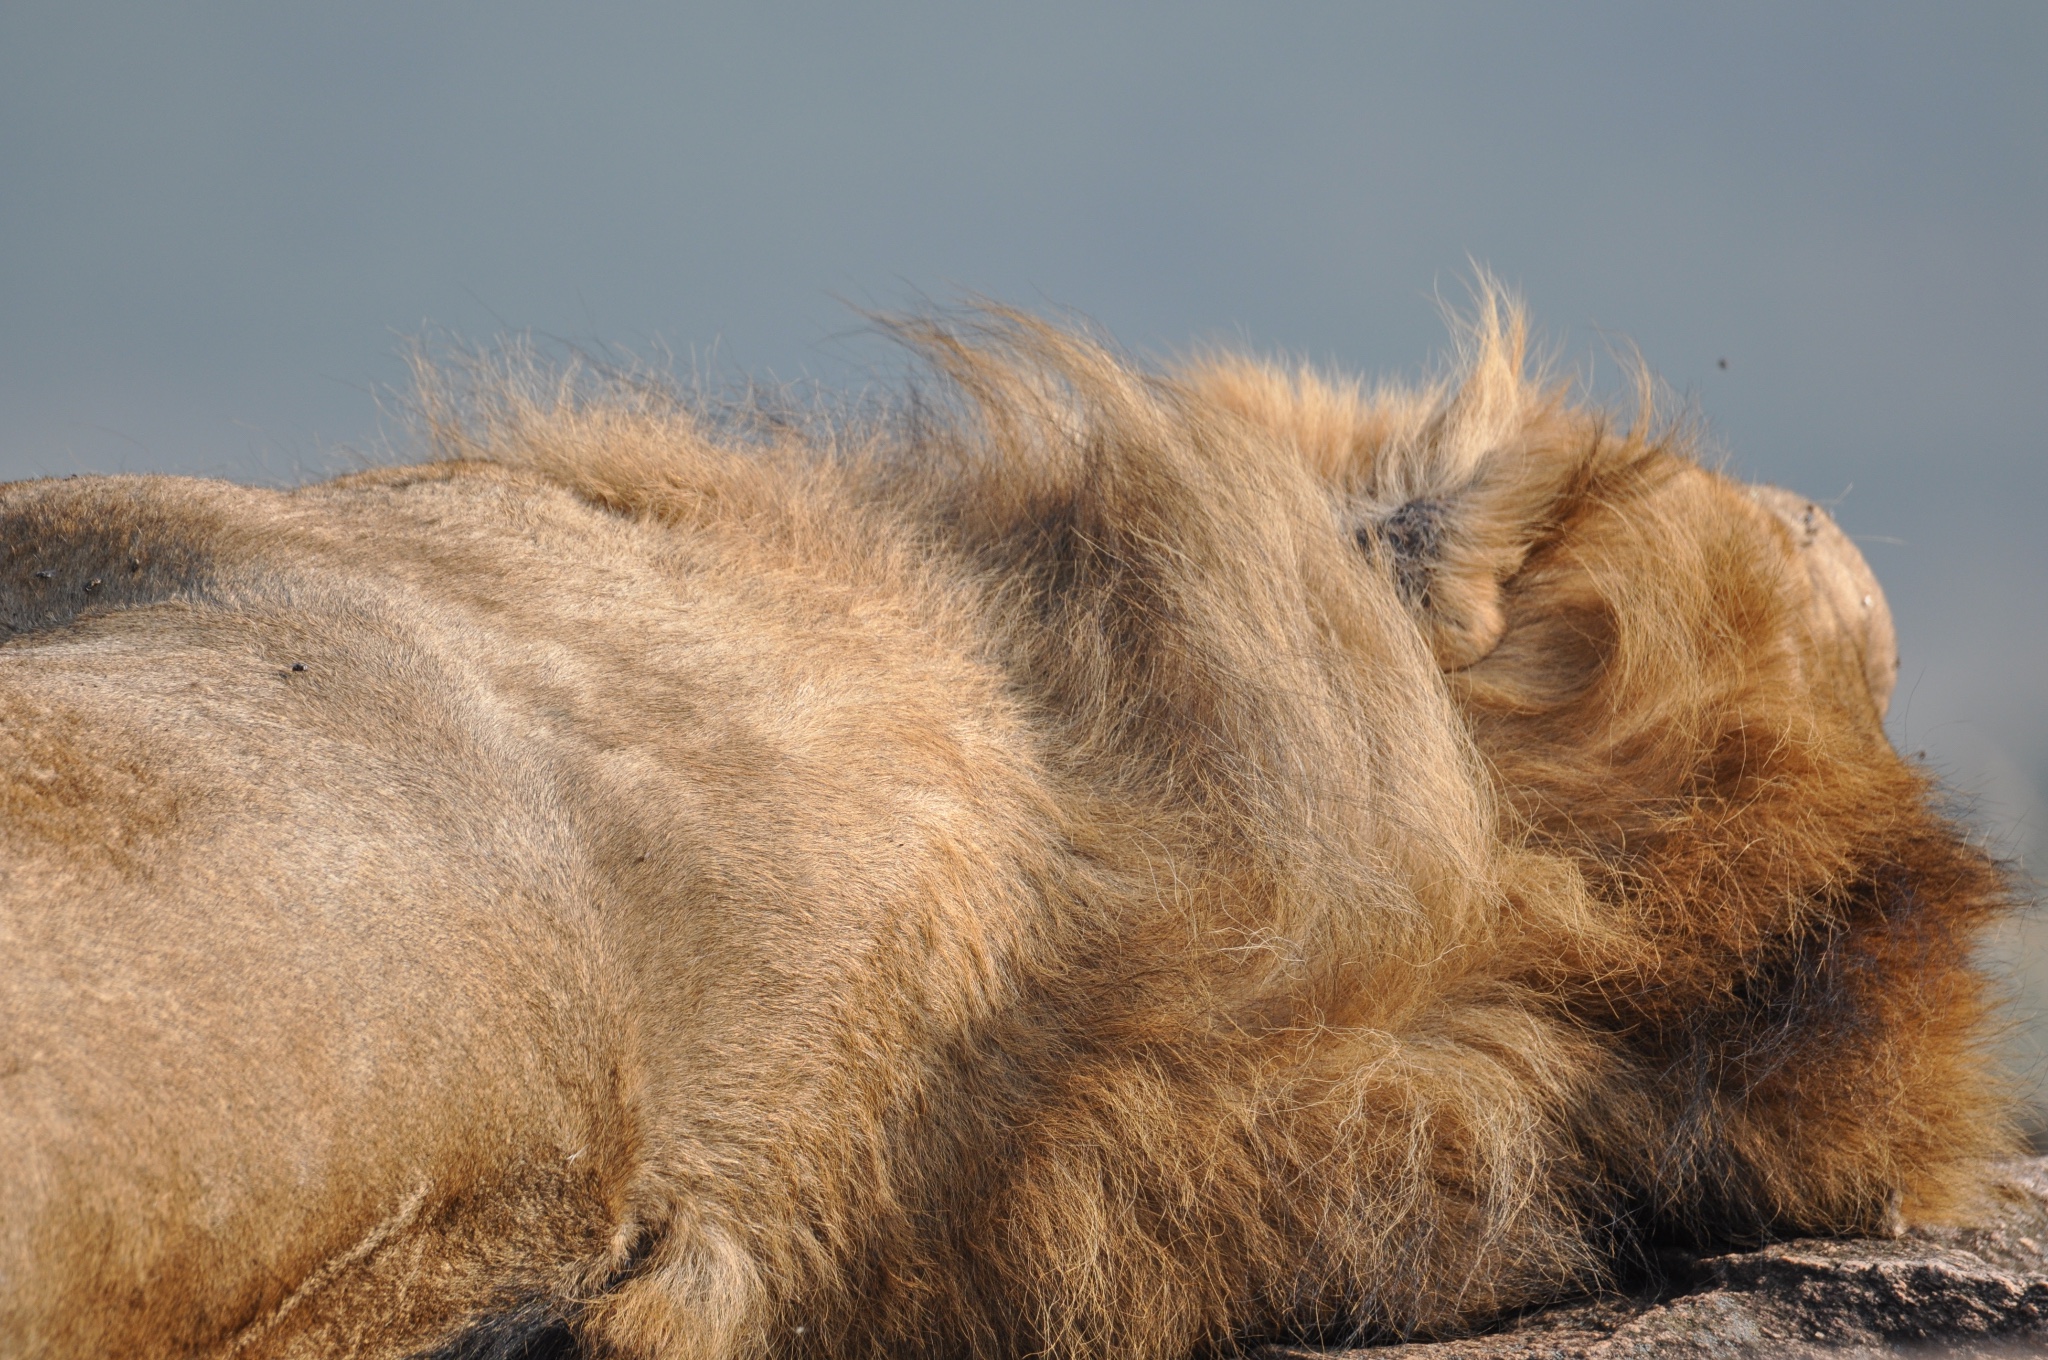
x=1939, y=1292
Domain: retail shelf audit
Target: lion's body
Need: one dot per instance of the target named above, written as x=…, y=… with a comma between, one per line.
x=1022, y=884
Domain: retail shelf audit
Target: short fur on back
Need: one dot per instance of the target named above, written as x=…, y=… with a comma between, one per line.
x=1103, y=863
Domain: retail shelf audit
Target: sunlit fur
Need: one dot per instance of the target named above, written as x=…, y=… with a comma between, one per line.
x=1093, y=863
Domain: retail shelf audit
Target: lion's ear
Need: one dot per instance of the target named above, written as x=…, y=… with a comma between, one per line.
x=1459, y=608
x=1453, y=498
x=1448, y=486
x=1451, y=548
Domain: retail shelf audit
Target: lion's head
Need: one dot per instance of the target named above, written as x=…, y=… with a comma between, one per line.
x=1677, y=683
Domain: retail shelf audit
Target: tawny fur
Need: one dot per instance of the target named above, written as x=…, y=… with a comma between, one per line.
x=1103, y=864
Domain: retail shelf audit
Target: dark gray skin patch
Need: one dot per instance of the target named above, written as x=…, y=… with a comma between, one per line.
x=98, y=544
x=1413, y=539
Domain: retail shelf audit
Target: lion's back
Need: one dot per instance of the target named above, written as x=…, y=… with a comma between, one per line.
x=434, y=830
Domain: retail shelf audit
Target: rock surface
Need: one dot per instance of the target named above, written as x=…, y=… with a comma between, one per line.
x=1938, y=1292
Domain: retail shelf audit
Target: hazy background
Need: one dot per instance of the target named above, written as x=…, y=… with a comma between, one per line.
x=219, y=223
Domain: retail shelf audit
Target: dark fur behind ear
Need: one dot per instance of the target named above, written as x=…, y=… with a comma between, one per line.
x=1412, y=540
x=534, y=1330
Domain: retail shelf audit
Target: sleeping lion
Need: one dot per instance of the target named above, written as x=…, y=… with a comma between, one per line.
x=1098, y=863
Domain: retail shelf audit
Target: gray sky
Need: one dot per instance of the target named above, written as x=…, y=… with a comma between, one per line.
x=220, y=222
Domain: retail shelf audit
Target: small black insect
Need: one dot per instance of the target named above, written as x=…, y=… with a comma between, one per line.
x=298, y=665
